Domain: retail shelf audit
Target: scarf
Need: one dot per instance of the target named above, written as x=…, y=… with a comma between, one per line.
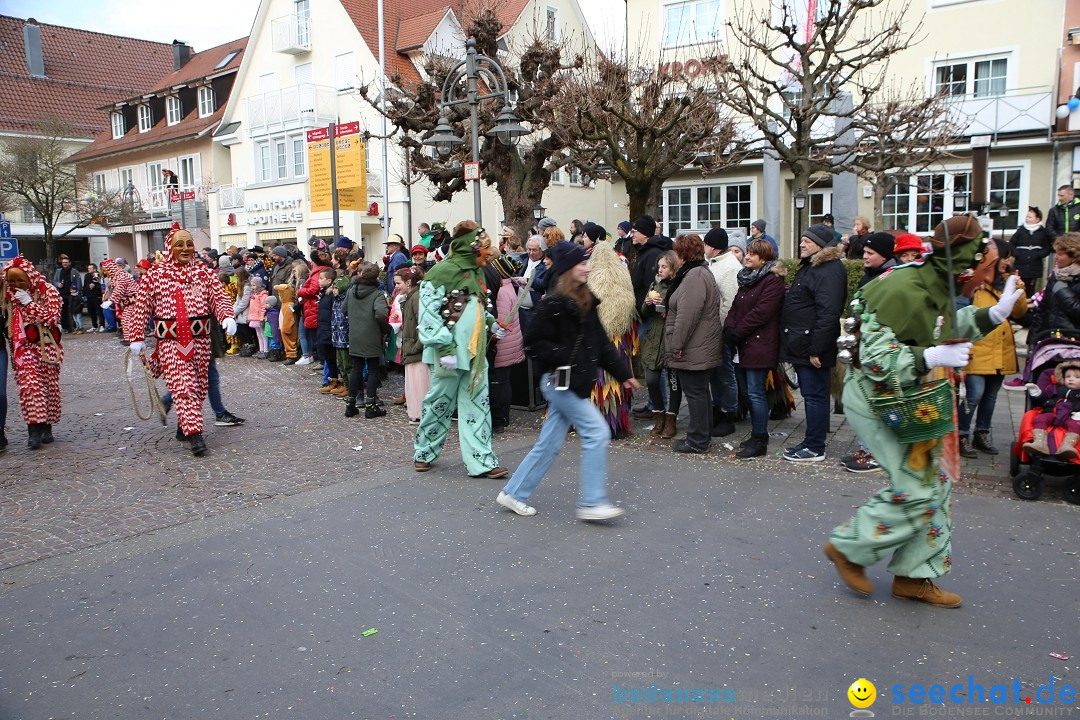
x=1068, y=273
x=748, y=278
x=1033, y=227
x=679, y=275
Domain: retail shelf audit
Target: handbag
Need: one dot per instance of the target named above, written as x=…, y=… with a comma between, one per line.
x=922, y=412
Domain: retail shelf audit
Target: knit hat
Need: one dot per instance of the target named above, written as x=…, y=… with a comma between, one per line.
x=546, y=222
x=270, y=301
x=759, y=225
x=880, y=242
x=418, y=249
x=828, y=218
x=907, y=241
x=564, y=256
x=820, y=234
x=737, y=240
x=225, y=265
x=280, y=251
x=343, y=242
x=505, y=266
x=717, y=238
x=645, y=225
x=595, y=232
x=507, y=231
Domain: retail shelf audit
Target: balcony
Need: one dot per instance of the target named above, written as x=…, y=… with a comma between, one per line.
x=374, y=184
x=291, y=108
x=1023, y=110
x=292, y=34
x=230, y=197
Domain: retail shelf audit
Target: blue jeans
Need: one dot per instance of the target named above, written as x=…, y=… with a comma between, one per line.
x=110, y=319
x=3, y=384
x=213, y=390
x=565, y=408
x=723, y=384
x=306, y=346
x=982, y=392
x=754, y=381
x=814, y=386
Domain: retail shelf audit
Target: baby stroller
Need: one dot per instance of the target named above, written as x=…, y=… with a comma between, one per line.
x=1044, y=356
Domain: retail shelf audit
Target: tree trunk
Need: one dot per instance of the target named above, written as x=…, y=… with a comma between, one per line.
x=643, y=197
x=881, y=183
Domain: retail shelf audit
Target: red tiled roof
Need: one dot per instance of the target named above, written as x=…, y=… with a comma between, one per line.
x=365, y=15
x=414, y=32
x=84, y=70
x=202, y=64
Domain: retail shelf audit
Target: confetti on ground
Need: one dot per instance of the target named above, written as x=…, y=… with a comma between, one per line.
x=1059, y=656
x=369, y=632
x=98, y=414
x=130, y=427
x=358, y=448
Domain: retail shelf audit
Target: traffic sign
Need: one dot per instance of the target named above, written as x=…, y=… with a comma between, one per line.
x=9, y=249
x=5, y=229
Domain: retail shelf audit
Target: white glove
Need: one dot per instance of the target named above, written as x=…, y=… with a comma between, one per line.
x=449, y=362
x=950, y=356
x=1001, y=312
x=229, y=326
x=137, y=348
x=499, y=331
x=22, y=297
x=1033, y=389
x=1075, y=416
x=106, y=305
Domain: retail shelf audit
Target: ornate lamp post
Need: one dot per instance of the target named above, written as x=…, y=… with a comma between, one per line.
x=800, y=203
x=507, y=127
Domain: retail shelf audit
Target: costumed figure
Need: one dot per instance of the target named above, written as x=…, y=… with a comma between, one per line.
x=32, y=307
x=609, y=280
x=897, y=334
x=180, y=295
x=121, y=289
x=454, y=326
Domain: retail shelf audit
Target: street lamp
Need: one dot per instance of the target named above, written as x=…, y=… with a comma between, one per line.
x=538, y=212
x=508, y=128
x=800, y=204
x=130, y=197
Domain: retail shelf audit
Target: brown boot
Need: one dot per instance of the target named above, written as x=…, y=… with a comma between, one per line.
x=923, y=590
x=669, y=427
x=340, y=390
x=329, y=387
x=658, y=424
x=1038, y=443
x=1067, y=451
x=965, y=448
x=854, y=576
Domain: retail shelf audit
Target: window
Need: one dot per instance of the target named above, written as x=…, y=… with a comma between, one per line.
x=303, y=23
x=127, y=176
x=556, y=176
x=1005, y=190
x=227, y=59
x=978, y=77
x=677, y=212
x=918, y=203
x=702, y=207
x=693, y=22
x=282, y=157
x=30, y=214
x=344, y=71
x=299, y=166
x=99, y=183
x=188, y=177
x=206, y=101
x=990, y=77
x=263, y=170
x=575, y=175
x=894, y=208
x=951, y=80
x=172, y=110
x=146, y=118
x=118, y=128
x=153, y=175
x=551, y=24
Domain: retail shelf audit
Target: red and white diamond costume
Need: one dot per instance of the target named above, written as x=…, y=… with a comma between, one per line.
x=179, y=298
x=36, y=352
x=121, y=287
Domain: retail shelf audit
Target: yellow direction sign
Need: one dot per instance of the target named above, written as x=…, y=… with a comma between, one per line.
x=350, y=167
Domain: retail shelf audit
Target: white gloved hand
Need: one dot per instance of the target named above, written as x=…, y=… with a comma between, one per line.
x=1033, y=389
x=448, y=362
x=106, y=305
x=1001, y=312
x=499, y=331
x=22, y=297
x=229, y=326
x=137, y=347
x=1075, y=416
x=950, y=356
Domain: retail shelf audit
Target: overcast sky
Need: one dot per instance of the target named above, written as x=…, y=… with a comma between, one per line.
x=206, y=23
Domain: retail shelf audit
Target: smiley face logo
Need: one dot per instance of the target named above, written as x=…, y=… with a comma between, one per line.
x=862, y=693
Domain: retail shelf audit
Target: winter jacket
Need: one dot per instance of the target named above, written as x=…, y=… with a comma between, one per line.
x=76, y=281
x=693, y=328
x=551, y=335
x=652, y=347
x=366, y=308
x=644, y=270
x=309, y=297
x=1054, y=397
x=995, y=354
x=325, y=318
x=871, y=273
x=339, y=324
x=243, y=304
x=280, y=276
x=725, y=270
x=1030, y=250
x=511, y=349
x=1060, y=306
x=755, y=318
x=1062, y=219
x=91, y=283
x=257, y=306
x=412, y=350
x=396, y=261
x=810, y=317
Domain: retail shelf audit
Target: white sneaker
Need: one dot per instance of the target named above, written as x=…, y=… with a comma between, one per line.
x=512, y=503
x=604, y=511
x=306, y=360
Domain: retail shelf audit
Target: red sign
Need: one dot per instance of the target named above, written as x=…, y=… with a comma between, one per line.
x=340, y=130
x=187, y=195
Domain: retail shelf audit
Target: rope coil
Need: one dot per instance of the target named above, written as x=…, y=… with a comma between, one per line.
x=156, y=403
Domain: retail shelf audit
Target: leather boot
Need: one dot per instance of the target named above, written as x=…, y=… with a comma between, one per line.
x=350, y=408
x=275, y=356
x=658, y=424
x=1067, y=451
x=329, y=387
x=33, y=437
x=756, y=446
x=923, y=590
x=854, y=576
x=1036, y=445
x=981, y=441
x=46, y=434
x=669, y=427
x=965, y=448
x=723, y=424
x=371, y=410
x=198, y=444
x=340, y=390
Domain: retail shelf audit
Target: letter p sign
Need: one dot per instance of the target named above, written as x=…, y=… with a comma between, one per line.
x=9, y=249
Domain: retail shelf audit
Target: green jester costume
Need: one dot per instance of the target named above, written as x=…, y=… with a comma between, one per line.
x=902, y=316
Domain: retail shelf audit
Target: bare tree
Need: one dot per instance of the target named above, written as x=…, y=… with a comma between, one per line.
x=644, y=125
x=901, y=132
x=34, y=172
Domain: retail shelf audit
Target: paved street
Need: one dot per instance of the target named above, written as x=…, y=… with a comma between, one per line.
x=137, y=582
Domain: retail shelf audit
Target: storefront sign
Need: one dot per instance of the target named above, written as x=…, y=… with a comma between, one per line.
x=350, y=166
x=274, y=212
x=692, y=68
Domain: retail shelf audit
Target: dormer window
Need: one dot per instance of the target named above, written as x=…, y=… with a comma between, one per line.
x=172, y=110
x=146, y=118
x=118, y=125
x=206, y=101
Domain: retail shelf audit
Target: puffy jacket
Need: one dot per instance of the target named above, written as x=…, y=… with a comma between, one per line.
x=257, y=306
x=412, y=350
x=1030, y=250
x=309, y=297
x=725, y=270
x=652, y=347
x=755, y=317
x=810, y=318
x=1060, y=306
x=995, y=354
x=644, y=271
x=553, y=332
x=511, y=349
x=325, y=308
x=242, y=304
x=693, y=328
x=1063, y=218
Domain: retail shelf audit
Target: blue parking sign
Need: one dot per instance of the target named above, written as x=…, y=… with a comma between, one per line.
x=9, y=249
x=5, y=229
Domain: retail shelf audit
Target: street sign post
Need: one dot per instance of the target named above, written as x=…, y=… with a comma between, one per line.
x=5, y=229
x=9, y=249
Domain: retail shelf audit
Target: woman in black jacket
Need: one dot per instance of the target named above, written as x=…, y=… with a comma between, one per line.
x=92, y=293
x=1060, y=306
x=567, y=341
x=1031, y=246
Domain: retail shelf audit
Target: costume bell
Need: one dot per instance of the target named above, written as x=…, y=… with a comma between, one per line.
x=32, y=310
x=180, y=295
x=454, y=328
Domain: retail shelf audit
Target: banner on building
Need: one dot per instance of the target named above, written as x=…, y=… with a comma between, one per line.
x=351, y=168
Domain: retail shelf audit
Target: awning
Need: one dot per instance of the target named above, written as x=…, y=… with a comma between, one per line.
x=323, y=232
x=235, y=239
x=275, y=235
x=35, y=230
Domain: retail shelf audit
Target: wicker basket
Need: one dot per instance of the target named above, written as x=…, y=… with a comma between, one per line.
x=916, y=414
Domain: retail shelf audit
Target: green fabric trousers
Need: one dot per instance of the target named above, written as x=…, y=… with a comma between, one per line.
x=450, y=389
x=911, y=519
x=344, y=362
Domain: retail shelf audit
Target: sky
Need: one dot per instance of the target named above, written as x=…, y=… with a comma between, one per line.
x=187, y=20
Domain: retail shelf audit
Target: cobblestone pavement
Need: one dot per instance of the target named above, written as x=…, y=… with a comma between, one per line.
x=111, y=476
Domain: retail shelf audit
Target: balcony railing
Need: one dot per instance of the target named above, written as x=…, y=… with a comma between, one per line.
x=292, y=34
x=374, y=184
x=1019, y=110
x=230, y=196
x=298, y=106
x=157, y=200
